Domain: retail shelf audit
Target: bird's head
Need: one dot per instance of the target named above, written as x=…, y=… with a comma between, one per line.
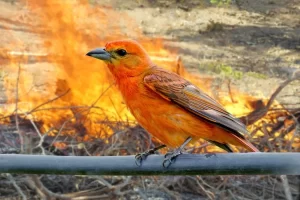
x=125, y=58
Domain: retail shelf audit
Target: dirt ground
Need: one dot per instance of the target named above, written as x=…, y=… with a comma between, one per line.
x=259, y=38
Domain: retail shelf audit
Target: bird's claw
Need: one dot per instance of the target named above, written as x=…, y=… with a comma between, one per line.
x=142, y=156
x=170, y=157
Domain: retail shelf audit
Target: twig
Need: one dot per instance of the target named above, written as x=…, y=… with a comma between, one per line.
x=230, y=91
x=89, y=193
x=41, y=136
x=36, y=184
x=16, y=111
x=173, y=194
x=34, y=109
x=60, y=131
x=63, y=108
x=208, y=193
x=115, y=188
x=115, y=108
x=296, y=128
x=204, y=182
x=266, y=136
x=179, y=67
x=11, y=179
x=51, y=100
x=101, y=95
x=245, y=191
x=232, y=195
x=86, y=110
x=286, y=187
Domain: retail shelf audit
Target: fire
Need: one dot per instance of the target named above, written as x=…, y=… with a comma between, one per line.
x=78, y=91
x=69, y=29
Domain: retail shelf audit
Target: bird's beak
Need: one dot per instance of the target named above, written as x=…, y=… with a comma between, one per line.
x=100, y=53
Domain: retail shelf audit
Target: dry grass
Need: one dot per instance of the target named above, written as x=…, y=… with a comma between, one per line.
x=20, y=134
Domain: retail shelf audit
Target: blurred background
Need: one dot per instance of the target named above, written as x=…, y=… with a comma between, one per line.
x=56, y=101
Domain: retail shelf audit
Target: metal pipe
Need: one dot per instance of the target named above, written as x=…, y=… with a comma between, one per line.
x=185, y=164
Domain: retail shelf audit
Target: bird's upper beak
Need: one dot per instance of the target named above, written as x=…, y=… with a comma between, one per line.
x=100, y=53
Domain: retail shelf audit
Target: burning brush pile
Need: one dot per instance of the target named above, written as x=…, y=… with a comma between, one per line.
x=55, y=101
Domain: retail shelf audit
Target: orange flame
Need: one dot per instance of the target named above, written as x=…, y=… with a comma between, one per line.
x=69, y=29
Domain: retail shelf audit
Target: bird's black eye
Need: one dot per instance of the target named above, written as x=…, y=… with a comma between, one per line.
x=121, y=52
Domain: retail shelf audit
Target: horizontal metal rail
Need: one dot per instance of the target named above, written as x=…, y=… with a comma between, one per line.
x=185, y=164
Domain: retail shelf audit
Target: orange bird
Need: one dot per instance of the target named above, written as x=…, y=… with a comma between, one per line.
x=165, y=104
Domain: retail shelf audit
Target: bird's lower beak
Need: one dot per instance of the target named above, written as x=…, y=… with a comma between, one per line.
x=99, y=53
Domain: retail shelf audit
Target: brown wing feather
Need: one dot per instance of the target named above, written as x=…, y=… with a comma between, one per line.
x=177, y=89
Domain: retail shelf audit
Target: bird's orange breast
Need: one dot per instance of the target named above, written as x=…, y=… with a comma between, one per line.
x=163, y=119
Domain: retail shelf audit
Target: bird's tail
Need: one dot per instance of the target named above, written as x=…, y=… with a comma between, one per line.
x=247, y=145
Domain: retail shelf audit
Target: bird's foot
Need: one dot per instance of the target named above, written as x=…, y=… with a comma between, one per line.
x=170, y=157
x=142, y=156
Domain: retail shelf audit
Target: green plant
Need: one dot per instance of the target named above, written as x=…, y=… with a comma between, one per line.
x=256, y=75
x=214, y=26
x=228, y=72
x=220, y=2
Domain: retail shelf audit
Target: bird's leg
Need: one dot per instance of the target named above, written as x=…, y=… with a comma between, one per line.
x=142, y=156
x=171, y=156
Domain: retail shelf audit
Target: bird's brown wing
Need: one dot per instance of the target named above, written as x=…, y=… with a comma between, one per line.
x=175, y=88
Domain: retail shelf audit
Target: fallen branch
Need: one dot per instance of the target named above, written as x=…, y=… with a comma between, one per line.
x=19, y=190
x=185, y=164
x=35, y=183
